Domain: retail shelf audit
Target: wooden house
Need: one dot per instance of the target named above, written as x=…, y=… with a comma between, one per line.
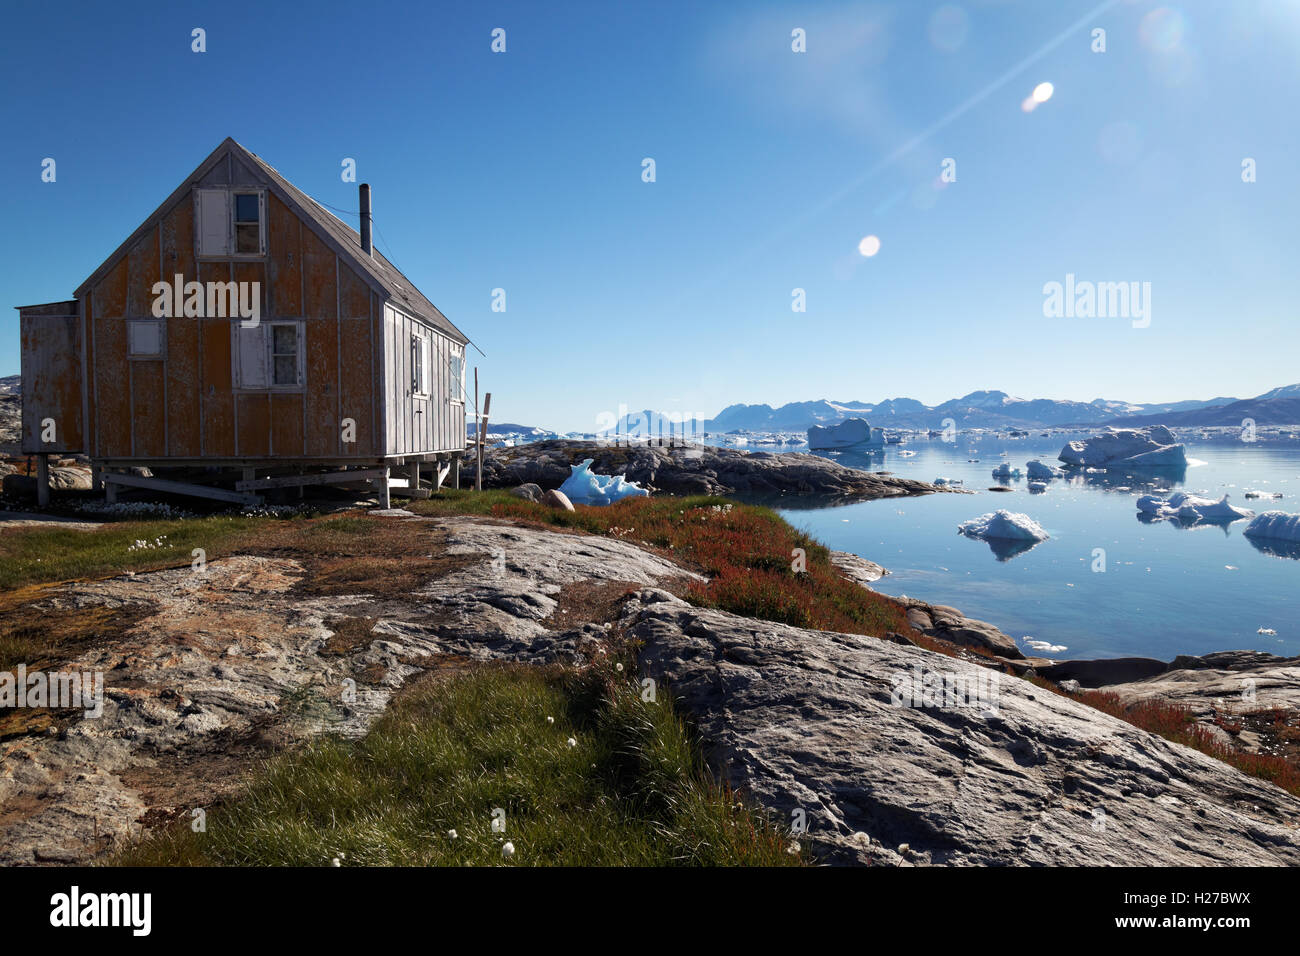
x=244, y=338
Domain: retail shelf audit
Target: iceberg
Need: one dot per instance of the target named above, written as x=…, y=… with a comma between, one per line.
x=1006, y=533
x=1037, y=471
x=1007, y=525
x=1275, y=526
x=1151, y=447
x=1006, y=471
x=1191, y=508
x=584, y=487
x=850, y=433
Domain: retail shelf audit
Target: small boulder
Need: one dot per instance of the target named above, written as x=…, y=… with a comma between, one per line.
x=557, y=499
x=529, y=492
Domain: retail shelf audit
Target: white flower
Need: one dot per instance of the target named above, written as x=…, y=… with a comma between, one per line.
x=572, y=742
x=451, y=834
x=335, y=862
x=508, y=850
x=550, y=720
x=618, y=667
x=793, y=848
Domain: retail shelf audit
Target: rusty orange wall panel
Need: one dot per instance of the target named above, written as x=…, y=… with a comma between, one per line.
x=322, y=373
x=142, y=266
x=254, y=414
x=253, y=272
x=148, y=409
x=286, y=425
x=354, y=295
x=284, y=231
x=355, y=371
x=112, y=394
x=112, y=291
x=182, y=367
x=217, y=400
x=50, y=349
x=183, y=383
x=319, y=270
x=88, y=426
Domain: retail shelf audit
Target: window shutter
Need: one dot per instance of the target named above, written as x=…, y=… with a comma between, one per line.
x=425, y=365
x=214, y=222
x=252, y=356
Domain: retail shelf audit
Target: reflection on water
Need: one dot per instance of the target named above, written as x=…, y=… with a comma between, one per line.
x=1103, y=584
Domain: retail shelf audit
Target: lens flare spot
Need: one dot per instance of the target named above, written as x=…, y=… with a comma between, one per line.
x=1043, y=92
x=869, y=246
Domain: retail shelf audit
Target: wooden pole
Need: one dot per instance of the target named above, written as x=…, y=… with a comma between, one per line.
x=482, y=430
x=43, y=480
x=478, y=436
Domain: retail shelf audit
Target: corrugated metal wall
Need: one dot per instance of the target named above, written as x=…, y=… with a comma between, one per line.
x=414, y=425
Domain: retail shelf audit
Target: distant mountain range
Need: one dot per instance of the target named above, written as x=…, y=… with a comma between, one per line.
x=990, y=409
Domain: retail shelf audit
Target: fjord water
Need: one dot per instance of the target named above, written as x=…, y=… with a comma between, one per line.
x=1166, y=589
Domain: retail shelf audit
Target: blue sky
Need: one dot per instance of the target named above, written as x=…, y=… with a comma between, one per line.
x=523, y=171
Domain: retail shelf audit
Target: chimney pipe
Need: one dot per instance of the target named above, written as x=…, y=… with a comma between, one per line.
x=365, y=219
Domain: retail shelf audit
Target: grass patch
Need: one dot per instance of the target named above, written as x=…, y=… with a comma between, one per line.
x=344, y=554
x=449, y=752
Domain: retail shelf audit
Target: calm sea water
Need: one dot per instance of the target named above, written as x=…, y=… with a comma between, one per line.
x=1166, y=589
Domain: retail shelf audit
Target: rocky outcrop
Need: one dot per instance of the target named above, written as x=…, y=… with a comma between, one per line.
x=697, y=469
x=234, y=662
x=240, y=660
x=823, y=727
x=1223, y=682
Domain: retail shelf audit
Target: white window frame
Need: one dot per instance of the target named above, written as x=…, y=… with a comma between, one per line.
x=421, y=363
x=227, y=202
x=456, y=383
x=265, y=330
x=132, y=325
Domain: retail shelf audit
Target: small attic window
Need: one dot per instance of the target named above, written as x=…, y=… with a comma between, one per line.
x=248, y=223
x=231, y=222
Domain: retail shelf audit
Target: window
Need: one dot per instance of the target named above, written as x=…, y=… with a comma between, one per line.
x=284, y=354
x=248, y=223
x=456, y=380
x=269, y=355
x=420, y=364
x=145, y=338
x=231, y=222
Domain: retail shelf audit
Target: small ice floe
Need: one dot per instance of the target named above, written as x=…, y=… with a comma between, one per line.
x=1038, y=471
x=1038, y=487
x=1268, y=631
x=1003, y=524
x=952, y=482
x=1006, y=471
x=1191, y=508
x=1046, y=647
x=1275, y=526
x=584, y=487
x=1006, y=533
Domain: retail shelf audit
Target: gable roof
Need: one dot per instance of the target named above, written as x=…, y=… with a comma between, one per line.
x=376, y=270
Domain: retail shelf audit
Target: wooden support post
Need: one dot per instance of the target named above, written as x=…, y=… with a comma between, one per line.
x=110, y=492
x=43, y=481
x=96, y=477
x=381, y=489
x=455, y=472
x=415, y=476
